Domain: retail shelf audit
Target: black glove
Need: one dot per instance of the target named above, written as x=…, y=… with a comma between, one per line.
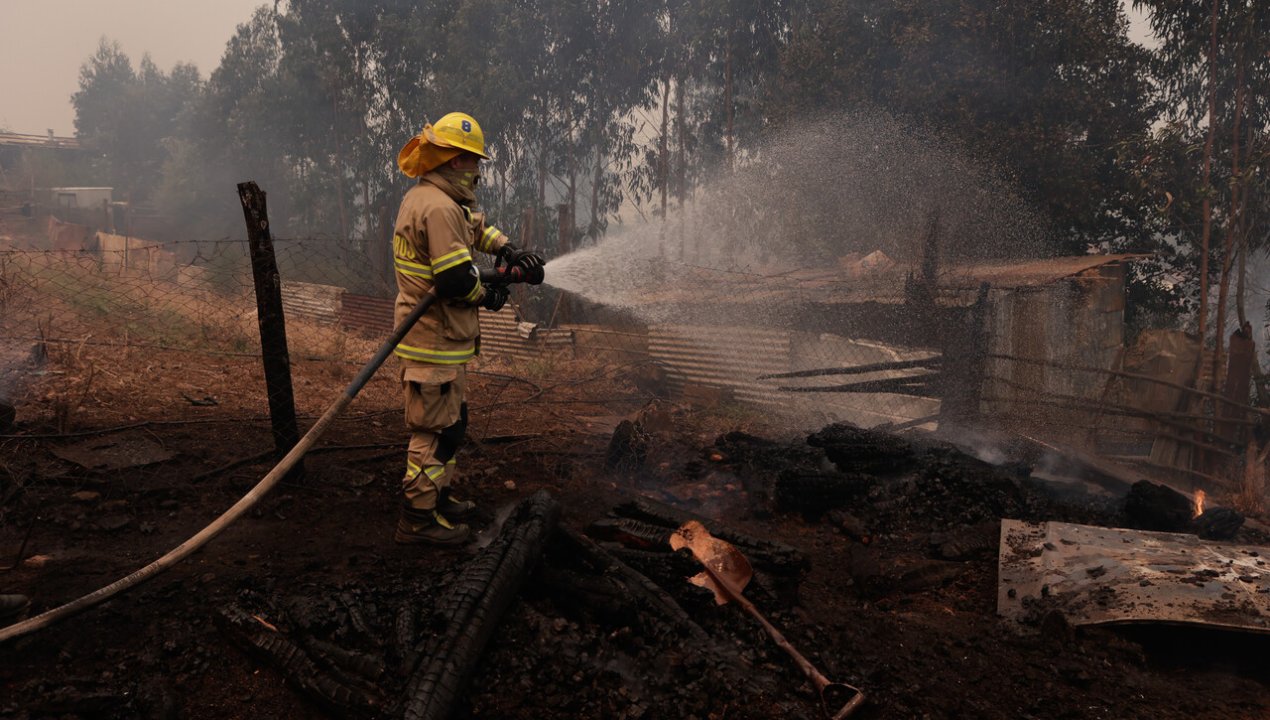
x=495, y=297
x=530, y=262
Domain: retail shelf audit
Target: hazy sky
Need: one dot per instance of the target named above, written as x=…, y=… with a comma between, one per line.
x=45, y=42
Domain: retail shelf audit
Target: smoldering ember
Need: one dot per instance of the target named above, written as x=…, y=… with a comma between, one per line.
x=635, y=360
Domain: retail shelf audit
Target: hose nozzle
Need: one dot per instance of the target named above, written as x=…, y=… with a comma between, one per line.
x=506, y=275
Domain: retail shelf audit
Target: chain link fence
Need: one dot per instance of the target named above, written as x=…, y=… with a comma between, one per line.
x=110, y=291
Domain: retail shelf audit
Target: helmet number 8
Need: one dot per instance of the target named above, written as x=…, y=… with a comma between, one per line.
x=467, y=126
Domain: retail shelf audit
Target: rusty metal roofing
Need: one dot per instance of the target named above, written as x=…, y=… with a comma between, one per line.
x=722, y=357
x=1096, y=575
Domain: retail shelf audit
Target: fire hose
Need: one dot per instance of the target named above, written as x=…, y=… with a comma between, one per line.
x=499, y=275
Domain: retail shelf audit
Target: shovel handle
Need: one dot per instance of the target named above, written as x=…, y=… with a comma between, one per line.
x=778, y=637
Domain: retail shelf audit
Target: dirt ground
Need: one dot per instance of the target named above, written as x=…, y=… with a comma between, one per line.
x=884, y=601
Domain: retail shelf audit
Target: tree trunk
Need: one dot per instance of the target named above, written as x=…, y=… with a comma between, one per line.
x=681, y=182
x=1245, y=234
x=1207, y=204
x=727, y=97
x=339, y=171
x=1232, y=224
x=369, y=233
x=663, y=159
x=593, y=228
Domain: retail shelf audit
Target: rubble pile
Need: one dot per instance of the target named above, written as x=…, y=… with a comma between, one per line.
x=874, y=554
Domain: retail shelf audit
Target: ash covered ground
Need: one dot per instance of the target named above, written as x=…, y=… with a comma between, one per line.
x=875, y=554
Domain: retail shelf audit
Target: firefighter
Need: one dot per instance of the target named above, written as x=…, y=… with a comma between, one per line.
x=436, y=233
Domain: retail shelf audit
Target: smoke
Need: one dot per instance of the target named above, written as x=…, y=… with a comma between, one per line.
x=851, y=183
x=854, y=183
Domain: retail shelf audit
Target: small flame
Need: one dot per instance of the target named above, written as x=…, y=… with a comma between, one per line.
x=1199, y=503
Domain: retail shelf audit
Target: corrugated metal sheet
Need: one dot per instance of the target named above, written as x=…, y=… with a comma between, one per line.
x=722, y=357
x=501, y=336
x=320, y=303
x=367, y=315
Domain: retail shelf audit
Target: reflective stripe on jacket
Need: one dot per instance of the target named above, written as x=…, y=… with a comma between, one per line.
x=434, y=233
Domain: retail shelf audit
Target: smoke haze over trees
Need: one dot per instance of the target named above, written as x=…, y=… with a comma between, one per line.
x=630, y=106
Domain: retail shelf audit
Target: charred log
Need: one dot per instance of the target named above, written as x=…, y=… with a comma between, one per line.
x=774, y=557
x=404, y=637
x=857, y=450
x=472, y=609
x=631, y=533
x=639, y=591
x=358, y=620
x=1218, y=524
x=340, y=659
x=294, y=664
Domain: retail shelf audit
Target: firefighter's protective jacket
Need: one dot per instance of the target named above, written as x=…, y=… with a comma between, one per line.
x=432, y=244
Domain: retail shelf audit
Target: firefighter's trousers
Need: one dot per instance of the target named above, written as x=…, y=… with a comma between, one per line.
x=436, y=416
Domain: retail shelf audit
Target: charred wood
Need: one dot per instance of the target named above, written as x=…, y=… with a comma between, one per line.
x=627, y=447
x=358, y=620
x=340, y=659
x=857, y=450
x=774, y=557
x=638, y=588
x=405, y=635
x=294, y=664
x=474, y=605
x=671, y=570
x=1218, y=523
x=631, y=533
x=1157, y=507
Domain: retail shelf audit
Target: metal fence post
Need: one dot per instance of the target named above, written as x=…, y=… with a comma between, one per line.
x=273, y=328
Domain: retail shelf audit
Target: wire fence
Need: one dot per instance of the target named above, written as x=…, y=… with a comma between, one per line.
x=110, y=291
x=101, y=332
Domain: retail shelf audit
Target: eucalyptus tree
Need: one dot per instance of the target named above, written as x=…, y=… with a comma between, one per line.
x=1213, y=66
x=127, y=116
x=1048, y=90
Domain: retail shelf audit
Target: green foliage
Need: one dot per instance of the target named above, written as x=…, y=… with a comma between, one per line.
x=1046, y=90
x=635, y=103
x=125, y=115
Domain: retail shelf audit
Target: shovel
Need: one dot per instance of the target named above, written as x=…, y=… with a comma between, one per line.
x=727, y=572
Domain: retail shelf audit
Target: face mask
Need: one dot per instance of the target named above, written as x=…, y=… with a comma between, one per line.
x=464, y=181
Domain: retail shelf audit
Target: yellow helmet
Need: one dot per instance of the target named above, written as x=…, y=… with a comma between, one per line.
x=457, y=130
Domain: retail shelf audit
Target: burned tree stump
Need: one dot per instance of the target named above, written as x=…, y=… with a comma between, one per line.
x=476, y=602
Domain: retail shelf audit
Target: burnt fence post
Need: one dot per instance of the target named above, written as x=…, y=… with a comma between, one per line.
x=273, y=328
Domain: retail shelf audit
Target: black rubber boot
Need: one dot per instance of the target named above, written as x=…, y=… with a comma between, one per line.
x=428, y=527
x=451, y=507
